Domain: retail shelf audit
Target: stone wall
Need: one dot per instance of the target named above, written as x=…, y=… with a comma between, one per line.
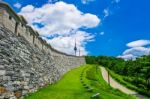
x=27, y=62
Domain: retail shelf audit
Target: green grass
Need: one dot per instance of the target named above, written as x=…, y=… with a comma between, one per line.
x=95, y=80
x=70, y=86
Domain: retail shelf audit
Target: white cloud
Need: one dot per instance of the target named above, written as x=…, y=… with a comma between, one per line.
x=137, y=49
x=135, y=52
x=138, y=43
x=86, y=1
x=67, y=43
x=111, y=8
x=127, y=57
x=106, y=12
x=60, y=19
x=102, y=33
x=17, y=5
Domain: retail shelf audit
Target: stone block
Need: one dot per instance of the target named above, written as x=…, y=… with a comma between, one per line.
x=24, y=92
x=13, y=78
x=10, y=73
x=30, y=86
x=8, y=78
x=10, y=88
x=8, y=95
x=1, y=78
x=26, y=79
x=2, y=72
x=26, y=87
x=2, y=67
x=1, y=96
x=18, y=94
x=2, y=90
x=13, y=97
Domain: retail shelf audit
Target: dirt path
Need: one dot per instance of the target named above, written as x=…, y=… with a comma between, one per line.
x=114, y=83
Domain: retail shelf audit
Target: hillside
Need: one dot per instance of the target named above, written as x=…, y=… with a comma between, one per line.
x=135, y=72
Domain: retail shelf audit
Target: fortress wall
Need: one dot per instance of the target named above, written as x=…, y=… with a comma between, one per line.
x=30, y=36
x=28, y=62
x=1, y=15
x=37, y=42
x=40, y=44
x=44, y=48
x=49, y=50
x=27, y=34
x=9, y=21
x=21, y=30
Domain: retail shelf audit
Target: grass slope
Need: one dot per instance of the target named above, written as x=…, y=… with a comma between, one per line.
x=70, y=86
x=94, y=78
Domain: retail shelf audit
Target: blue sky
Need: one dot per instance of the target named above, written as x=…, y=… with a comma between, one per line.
x=121, y=23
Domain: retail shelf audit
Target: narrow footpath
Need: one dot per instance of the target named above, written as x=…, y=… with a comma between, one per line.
x=115, y=84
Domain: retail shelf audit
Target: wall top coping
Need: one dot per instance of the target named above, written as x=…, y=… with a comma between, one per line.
x=32, y=31
x=23, y=20
x=6, y=6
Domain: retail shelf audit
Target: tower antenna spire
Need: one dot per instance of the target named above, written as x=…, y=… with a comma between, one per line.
x=75, y=48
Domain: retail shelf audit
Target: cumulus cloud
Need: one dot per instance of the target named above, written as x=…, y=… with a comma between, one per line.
x=138, y=43
x=60, y=19
x=126, y=57
x=68, y=42
x=135, y=52
x=17, y=5
x=86, y=1
x=137, y=49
